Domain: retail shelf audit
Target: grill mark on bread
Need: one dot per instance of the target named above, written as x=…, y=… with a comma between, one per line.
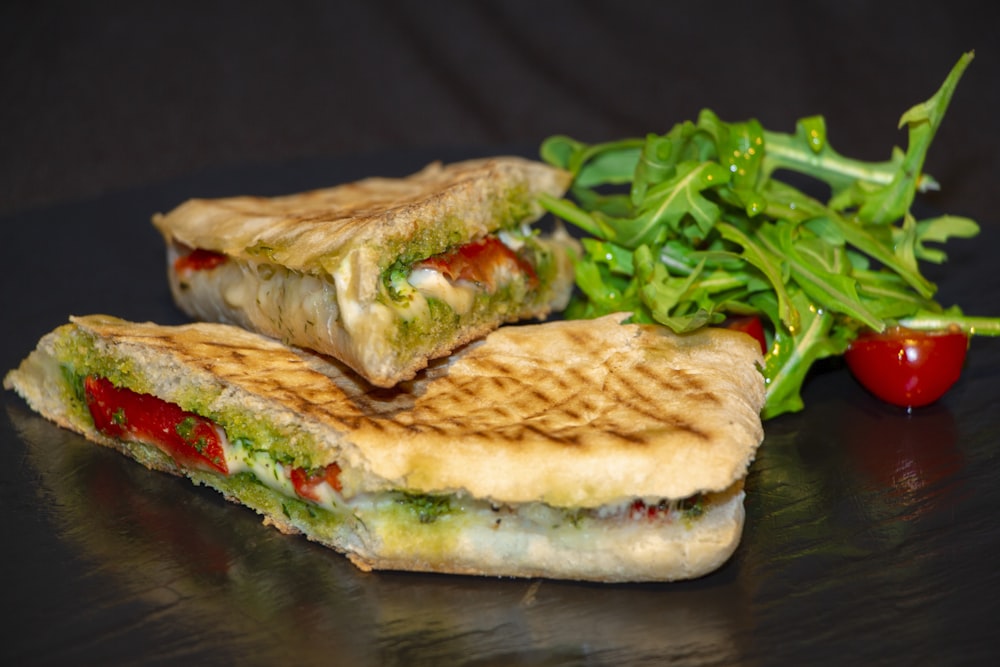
x=563, y=383
x=572, y=413
x=500, y=367
x=507, y=412
x=681, y=381
x=425, y=427
x=681, y=424
x=572, y=438
x=646, y=372
x=587, y=402
x=577, y=338
x=694, y=386
x=628, y=391
x=636, y=397
x=516, y=433
x=499, y=382
x=630, y=437
x=539, y=395
x=646, y=413
x=532, y=428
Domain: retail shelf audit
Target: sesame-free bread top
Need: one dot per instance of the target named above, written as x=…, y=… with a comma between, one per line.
x=382, y=218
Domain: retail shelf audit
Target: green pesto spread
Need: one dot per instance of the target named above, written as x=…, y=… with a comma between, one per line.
x=78, y=358
x=507, y=212
x=442, y=322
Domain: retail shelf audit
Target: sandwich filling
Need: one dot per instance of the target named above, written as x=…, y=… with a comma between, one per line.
x=201, y=447
x=416, y=307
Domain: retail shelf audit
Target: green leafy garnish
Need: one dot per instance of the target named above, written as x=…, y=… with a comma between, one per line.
x=693, y=226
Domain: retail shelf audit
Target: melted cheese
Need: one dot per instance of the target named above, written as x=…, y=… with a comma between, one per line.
x=535, y=516
x=312, y=310
x=459, y=295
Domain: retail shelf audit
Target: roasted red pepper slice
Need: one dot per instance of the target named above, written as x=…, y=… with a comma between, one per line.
x=191, y=440
x=199, y=260
x=306, y=481
x=664, y=510
x=478, y=262
x=640, y=510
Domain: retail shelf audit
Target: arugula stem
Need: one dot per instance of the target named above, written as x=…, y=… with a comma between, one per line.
x=979, y=326
x=789, y=152
x=785, y=381
x=569, y=212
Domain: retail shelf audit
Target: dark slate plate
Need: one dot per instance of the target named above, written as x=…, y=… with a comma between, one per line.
x=871, y=535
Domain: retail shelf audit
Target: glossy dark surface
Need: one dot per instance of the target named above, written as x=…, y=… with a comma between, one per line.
x=870, y=533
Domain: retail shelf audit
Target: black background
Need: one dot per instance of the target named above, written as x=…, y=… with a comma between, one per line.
x=871, y=535
x=101, y=96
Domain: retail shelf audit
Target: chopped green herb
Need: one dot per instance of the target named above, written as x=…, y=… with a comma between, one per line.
x=75, y=382
x=185, y=428
x=427, y=508
x=693, y=507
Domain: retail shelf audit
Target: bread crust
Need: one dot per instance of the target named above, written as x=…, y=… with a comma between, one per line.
x=315, y=231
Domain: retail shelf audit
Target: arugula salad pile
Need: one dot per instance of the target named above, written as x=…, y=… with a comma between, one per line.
x=693, y=226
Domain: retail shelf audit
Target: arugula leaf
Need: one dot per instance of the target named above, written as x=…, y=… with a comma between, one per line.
x=794, y=353
x=772, y=268
x=693, y=225
x=887, y=203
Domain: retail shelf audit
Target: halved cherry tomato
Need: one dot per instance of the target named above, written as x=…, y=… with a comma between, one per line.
x=906, y=367
x=750, y=325
x=305, y=482
x=477, y=262
x=198, y=260
x=191, y=440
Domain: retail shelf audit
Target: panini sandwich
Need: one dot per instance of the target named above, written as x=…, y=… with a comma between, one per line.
x=383, y=273
x=589, y=450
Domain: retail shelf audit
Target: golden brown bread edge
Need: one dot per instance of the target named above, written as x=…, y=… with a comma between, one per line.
x=316, y=230
x=502, y=419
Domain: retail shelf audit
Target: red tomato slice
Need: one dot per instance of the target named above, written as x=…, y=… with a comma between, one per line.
x=750, y=325
x=478, y=262
x=191, y=440
x=305, y=482
x=640, y=510
x=907, y=367
x=199, y=260
x=662, y=511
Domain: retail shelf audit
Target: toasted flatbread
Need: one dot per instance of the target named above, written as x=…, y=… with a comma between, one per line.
x=574, y=449
x=382, y=274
